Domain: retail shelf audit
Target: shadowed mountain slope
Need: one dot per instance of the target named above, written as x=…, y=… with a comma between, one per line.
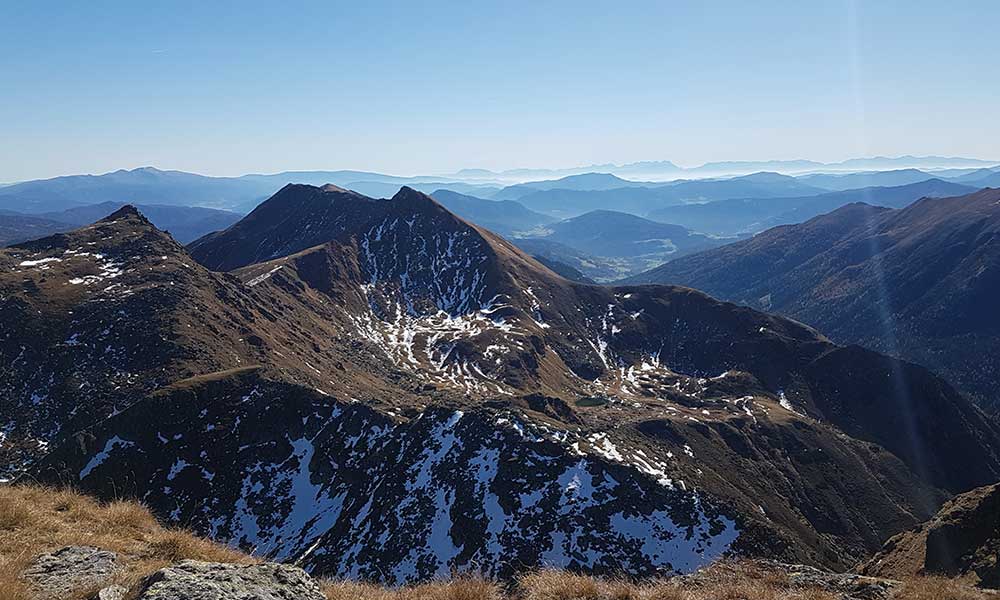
x=919, y=282
x=961, y=541
x=505, y=217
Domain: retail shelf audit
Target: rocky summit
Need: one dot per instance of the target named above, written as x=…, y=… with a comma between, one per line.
x=380, y=390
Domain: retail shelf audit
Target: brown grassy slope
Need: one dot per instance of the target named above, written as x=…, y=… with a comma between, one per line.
x=36, y=519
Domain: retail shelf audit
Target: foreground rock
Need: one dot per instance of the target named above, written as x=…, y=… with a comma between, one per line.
x=196, y=580
x=961, y=541
x=69, y=570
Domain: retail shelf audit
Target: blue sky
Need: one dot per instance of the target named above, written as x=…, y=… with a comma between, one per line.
x=431, y=87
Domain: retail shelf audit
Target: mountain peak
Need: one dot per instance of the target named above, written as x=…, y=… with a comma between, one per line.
x=408, y=194
x=125, y=212
x=408, y=198
x=766, y=177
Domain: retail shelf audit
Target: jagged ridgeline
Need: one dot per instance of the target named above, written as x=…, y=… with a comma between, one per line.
x=378, y=389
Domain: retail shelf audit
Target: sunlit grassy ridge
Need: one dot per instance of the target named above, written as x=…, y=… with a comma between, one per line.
x=35, y=520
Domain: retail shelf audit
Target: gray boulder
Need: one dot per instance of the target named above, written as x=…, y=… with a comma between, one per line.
x=196, y=580
x=70, y=570
x=112, y=592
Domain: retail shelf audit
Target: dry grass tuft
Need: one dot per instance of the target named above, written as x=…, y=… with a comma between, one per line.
x=11, y=585
x=560, y=585
x=460, y=588
x=38, y=519
x=350, y=590
x=939, y=588
x=175, y=545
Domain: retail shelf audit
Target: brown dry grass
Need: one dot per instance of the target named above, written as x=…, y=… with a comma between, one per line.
x=460, y=588
x=36, y=519
x=731, y=581
x=939, y=588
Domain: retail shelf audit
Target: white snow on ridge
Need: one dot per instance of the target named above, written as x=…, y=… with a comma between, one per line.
x=101, y=456
x=40, y=261
x=264, y=276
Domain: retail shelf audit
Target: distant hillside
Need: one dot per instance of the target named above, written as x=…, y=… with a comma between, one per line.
x=16, y=228
x=641, y=200
x=143, y=186
x=505, y=217
x=584, y=182
x=563, y=270
x=750, y=215
x=991, y=179
x=851, y=181
x=920, y=282
x=600, y=269
x=612, y=235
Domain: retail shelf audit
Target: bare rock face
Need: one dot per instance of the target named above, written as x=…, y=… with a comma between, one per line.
x=196, y=580
x=848, y=585
x=70, y=570
x=962, y=540
x=112, y=592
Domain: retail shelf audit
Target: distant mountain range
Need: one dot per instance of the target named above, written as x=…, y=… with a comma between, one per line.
x=667, y=169
x=586, y=182
x=152, y=186
x=185, y=223
x=738, y=216
x=567, y=203
x=716, y=207
x=148, y=185
x=853, y=181
x=920, y=282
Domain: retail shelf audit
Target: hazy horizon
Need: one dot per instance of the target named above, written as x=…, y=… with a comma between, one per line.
x=438, y=87
x=686, y=169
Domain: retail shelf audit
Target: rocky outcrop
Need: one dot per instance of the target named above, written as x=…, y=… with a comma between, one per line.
x=69, y=570
x=962, y=540
x=196, y=580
